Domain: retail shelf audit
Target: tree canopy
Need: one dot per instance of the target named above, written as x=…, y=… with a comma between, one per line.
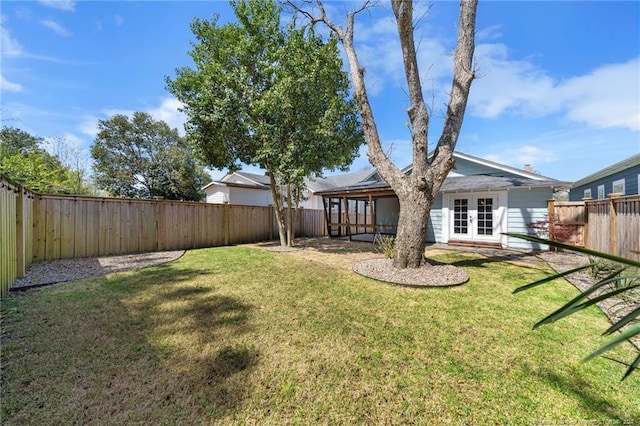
x=267, y=95
x=144, y=158
x=24, y=159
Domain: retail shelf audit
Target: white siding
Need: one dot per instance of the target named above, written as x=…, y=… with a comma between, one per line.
x=249, y=197
x=217, y=194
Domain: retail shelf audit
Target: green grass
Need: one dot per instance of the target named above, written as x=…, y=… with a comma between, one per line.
x=244, y=336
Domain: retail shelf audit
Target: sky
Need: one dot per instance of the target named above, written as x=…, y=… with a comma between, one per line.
x=558, y=86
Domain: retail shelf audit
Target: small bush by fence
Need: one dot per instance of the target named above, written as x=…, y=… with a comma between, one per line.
x=38, y=227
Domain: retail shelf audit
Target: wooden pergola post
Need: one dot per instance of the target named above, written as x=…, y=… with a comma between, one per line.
x=346, y=215
x=372, y=214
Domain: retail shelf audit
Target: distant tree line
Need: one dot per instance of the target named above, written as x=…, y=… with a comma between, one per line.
x=135, y=157
x=26, y=161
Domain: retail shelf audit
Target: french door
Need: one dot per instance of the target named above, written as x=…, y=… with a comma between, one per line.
x=474, y=217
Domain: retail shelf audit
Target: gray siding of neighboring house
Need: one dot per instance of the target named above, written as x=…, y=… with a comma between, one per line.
x=526, y=206
x=630, y=176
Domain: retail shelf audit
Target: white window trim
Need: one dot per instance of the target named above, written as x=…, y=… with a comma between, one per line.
x=601, y=195
x=618, y=182
x=587, y=193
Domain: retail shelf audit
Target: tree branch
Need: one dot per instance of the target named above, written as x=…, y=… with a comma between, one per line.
x=463, y=75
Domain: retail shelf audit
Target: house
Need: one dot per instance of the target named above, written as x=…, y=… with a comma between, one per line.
x=254, y=190
x=240, y=188
x=478, y=202
x=620, y=178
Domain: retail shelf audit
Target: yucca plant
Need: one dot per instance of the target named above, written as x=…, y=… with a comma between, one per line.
x=618, y=283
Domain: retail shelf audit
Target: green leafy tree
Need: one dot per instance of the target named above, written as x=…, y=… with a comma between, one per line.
x=268, y=95
x=144, y=158
x=24, y=159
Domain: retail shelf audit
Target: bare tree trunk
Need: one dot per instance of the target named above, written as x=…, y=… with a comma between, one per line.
x=416, y=191
x=277, y=204
x=412, y=228
x=290, y=224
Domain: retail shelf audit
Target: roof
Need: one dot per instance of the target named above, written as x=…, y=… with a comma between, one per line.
x=335, y=181
x=258, y=179
x=627, y=163
x=453, y=184
x=488, y=183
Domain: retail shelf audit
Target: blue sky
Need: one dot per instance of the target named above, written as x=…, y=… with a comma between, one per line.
x=559, y=84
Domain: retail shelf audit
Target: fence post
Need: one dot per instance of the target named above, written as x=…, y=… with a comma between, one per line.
x=20, y=245
x=226, y=222
x=613, y=231
x=551, y=214
x=585, y=228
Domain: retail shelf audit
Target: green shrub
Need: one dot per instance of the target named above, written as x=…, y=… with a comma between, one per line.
x=386, y=244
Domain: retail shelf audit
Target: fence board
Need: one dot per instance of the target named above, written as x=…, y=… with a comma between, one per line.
x=8, y=272
x=58, y=226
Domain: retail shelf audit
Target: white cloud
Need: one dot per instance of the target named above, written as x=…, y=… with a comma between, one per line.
x=10, y=46
x=67, y=5
x=518, y=157
x=89, y=126
x=608, y=96
x=119, y=20
x=7, y=86
x=56, y=27
x=168, y=112
x=492, y=32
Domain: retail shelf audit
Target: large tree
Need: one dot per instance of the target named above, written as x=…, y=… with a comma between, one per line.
x=416, y=191
x=268, y=95
x=143, y=158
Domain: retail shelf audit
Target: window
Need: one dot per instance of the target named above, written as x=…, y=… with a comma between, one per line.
x=618, y=186
x=587, y=193
x=600, y=192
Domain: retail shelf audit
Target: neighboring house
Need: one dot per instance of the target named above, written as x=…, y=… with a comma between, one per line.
x=621, y=178
x=254, y=190
x=478, y=201
x=240, y=188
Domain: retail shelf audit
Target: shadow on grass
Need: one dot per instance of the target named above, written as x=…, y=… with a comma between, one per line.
x=580, y=389
x=198, y=334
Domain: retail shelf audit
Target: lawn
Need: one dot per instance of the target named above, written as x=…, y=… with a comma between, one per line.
x=242, y=335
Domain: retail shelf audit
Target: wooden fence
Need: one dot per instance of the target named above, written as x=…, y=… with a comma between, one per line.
x=611, y=225
x=38, y=227
x=567, y=221
x=614, y=226
x=16, y=232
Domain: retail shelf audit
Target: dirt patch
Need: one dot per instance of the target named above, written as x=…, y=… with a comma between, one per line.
x=366, y=259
